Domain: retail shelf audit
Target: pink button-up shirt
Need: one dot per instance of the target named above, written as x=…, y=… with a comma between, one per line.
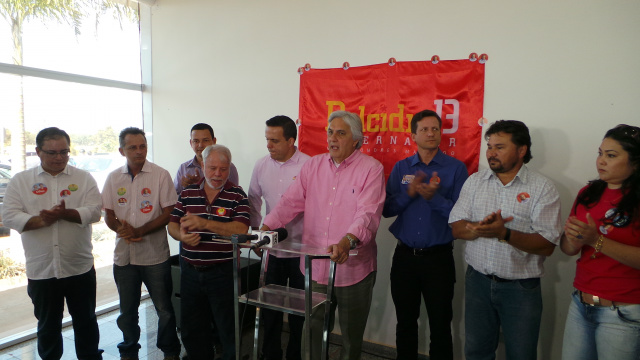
x=270, y=180
x=336, y=201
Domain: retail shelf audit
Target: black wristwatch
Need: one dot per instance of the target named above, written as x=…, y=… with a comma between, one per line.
x=507, y=236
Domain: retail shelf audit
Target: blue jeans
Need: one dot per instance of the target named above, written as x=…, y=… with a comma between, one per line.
x=206, y=296
x=48, y=298
x=515, y=305
x=157, y=279
x=601, y=333
x=279, y=272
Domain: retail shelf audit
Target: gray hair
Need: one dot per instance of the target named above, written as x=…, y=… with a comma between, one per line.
x=217, y=148
x=354, y=122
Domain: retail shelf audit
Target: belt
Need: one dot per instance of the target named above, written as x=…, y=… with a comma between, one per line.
x=594, y=300
x=497, y=278
x=201, y=268
x=426, y=251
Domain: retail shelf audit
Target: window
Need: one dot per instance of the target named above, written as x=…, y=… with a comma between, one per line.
x=90, y=85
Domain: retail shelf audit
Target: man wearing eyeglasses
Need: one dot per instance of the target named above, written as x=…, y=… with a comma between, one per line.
x=138, y=199
x=53, y=206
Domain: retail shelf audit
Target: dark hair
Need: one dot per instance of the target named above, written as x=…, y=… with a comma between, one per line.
x=519, y=134
x=421, y=115
x=629, y=138
x=289, y=128
x=50, y=133
x=203, y=126
x=130, y=131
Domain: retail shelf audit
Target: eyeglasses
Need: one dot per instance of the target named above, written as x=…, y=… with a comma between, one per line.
x=63, y=153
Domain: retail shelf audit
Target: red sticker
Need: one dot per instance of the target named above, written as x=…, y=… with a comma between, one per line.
x=221, y=211
x=64, y=193
x=523, y=197
x=435, y=180
x=146, y=206
x=146, y=192
x=122, y=202
x=39, y=189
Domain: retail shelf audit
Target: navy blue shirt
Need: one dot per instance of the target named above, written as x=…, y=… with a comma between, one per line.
x=423, y=223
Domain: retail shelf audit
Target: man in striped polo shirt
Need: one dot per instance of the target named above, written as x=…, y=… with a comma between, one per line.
x=213, y=207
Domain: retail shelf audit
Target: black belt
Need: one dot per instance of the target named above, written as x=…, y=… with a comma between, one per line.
x=497, y=278
x=201, y=268
x=426, y=251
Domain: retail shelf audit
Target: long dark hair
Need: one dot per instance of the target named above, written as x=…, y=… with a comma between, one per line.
x=629, y=138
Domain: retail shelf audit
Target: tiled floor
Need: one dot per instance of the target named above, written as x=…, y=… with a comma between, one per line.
x=110, y=336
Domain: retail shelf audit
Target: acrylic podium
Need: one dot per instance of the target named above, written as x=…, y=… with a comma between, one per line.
x=285, y=299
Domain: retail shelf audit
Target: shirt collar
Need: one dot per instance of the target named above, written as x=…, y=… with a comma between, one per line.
x=65, y=171
x=294, y=159
x=522, y=175
x=194, y=162
x=415, y=159
x=346, y=162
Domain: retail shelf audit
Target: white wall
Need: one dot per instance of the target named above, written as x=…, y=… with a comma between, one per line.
x=568, y=69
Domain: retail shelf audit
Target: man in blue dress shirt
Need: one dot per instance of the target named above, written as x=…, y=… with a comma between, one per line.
x=421, y=191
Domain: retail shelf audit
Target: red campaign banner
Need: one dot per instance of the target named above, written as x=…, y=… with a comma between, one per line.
x=386, y=97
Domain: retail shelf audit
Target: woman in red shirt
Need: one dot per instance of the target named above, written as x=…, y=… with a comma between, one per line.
x=604, y=227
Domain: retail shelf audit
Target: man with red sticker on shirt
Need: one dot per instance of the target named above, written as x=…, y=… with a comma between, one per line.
x=213, y=207
x=52, y=206
x=138, y=199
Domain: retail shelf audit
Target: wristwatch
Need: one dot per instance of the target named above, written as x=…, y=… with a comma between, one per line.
x=506, y=236
x=352, y=241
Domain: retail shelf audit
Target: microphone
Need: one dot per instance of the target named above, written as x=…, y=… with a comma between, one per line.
x=242, y=238
x=271, y=238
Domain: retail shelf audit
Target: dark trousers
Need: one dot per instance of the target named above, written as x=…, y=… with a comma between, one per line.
x=279, y=271
x=430, y=276
x=48, y=297
x=206, y=296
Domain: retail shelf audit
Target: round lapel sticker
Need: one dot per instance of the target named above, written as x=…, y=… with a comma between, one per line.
x=122, y=191
x=221, y=211
x=122, y=202
x=73, y=187
x=523, y=197
x=64, y=193
x=146, y=192
x=146, y=206
x=39, y=189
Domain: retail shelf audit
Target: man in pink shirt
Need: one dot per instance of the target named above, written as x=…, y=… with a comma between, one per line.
x=271, y=177
x=341, y=194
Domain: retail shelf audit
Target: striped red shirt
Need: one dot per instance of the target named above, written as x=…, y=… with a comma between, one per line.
x=231, y=204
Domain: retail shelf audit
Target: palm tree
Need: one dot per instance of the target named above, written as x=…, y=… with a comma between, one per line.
x=72, y=12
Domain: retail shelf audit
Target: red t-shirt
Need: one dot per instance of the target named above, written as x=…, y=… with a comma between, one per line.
x=604, y=276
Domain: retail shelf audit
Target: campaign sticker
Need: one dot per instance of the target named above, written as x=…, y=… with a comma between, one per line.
x=73, y=187
x=523, y=197
x=146, y=192
x=434, y=180
x=121, y=191
x=122, y=202
x=604, y=229
x=64, y=193
x=221, y=211
x=39, y=189
x=146, y=206
x=407, y=179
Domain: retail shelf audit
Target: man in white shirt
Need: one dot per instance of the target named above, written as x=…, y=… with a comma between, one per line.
x=52, y=206
x=271, y=177
x=138, y=199
x=510, y=216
